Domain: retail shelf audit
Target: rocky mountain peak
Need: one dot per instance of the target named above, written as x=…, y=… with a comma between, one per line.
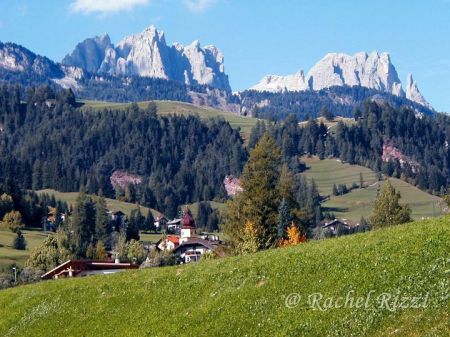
x=89, y=54
x=15, y=58
x=194, y=45
x=147, y=54
x=374, y=71
x=275, y=83
x=413, y=93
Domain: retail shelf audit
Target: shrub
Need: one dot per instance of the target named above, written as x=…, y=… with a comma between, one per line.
x=19, y=242
x=6, y=281
x=30, y=275
x=208, y=256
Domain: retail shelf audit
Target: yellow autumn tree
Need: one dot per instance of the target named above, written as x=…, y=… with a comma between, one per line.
x=295, y=236
x=250, y=238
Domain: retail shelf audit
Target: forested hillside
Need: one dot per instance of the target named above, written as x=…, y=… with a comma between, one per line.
x=397, y=142
x=134, y=88
x=48, y=143
x=341, y=100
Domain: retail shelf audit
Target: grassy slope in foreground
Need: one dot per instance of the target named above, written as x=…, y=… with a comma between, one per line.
x=172, y=107
x=245, y=295
x=359, y=202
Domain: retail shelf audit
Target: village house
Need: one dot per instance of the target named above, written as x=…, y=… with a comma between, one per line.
x=188, y=247
x=168, y=243
x=52, y=213
x=119, y=218
x=174, y=226
x=51, y=220
x=336, y=226
x=193, y=248
x=161, y=222
x=80, y=268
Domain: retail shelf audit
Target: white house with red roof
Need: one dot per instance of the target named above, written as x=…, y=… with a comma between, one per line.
x=188, y=247
x=170, y=242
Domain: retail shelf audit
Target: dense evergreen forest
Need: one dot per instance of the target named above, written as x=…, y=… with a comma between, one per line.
x=48, y=143
x=423, y=140
x=135, y=88
x=342, y=100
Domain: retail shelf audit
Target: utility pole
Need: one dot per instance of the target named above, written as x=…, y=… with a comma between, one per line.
x=15, y=275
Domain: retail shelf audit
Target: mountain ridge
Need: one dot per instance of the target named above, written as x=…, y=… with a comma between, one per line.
x=147, y=54
x=373, y=71
x=196, y=73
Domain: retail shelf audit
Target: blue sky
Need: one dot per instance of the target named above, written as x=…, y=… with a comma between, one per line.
x=256, y=37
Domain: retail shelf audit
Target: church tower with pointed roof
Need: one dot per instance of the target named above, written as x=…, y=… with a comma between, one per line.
x=187, y=226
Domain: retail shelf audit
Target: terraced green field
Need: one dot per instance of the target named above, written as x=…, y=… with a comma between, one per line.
x=332, y=171
x=296, y=291
x=8, y=255
x=359, y=202
x=112, y=204
x=172, y=107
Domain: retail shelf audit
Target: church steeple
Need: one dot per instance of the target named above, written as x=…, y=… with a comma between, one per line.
x=187, y=226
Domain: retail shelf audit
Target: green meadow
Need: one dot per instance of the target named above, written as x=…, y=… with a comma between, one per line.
x=181, y=108
x=359, y=202
x=112, y=204
x=9, y=256
x=295, y=291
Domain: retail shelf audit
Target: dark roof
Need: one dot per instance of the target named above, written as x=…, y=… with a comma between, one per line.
x=174, y=221
x=194, y=241
x=82, y=265
x=335, y=222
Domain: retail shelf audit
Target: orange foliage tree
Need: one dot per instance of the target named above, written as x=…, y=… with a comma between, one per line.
x=295, y=236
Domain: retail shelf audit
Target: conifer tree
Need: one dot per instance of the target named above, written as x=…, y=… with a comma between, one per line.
x=83, y=223
x=100, y=251
x=19, y=242
x=335, y=190
x=259, y=201
x=294, y=236
x=149, y=224
x=286, y=186
x=387, y=211
x=283, y=219
x=102, y=221
x=134, y=224
x=250, y=238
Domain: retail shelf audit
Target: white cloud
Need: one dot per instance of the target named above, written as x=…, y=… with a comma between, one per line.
x=105, y=6
x=198, y=5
